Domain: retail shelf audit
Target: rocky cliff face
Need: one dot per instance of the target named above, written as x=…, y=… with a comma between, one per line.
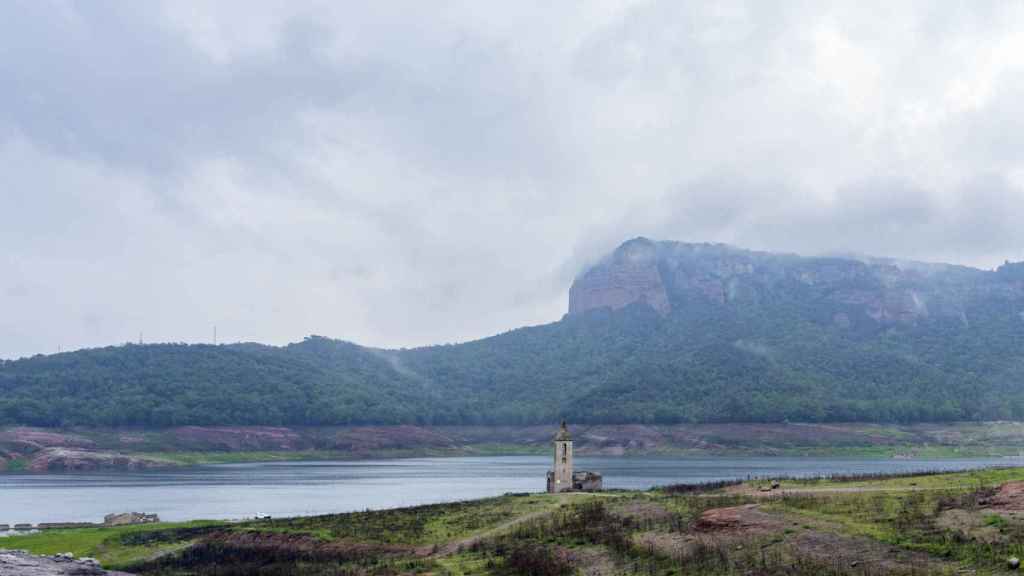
x=629, y=275
x=50, y=451
x=846, y=291
x=21, y=563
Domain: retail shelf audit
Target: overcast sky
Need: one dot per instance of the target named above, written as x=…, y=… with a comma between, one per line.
x=405, y=173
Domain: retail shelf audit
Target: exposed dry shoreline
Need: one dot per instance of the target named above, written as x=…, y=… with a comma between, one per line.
x=21, y=563
x=43, y=450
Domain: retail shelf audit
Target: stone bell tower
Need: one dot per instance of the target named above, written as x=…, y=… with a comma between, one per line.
x=560, y=479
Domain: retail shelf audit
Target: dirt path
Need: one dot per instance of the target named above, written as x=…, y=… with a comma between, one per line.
x=456, y=545
x=453, y=547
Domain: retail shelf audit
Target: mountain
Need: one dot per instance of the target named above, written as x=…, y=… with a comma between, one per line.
x=656, y=332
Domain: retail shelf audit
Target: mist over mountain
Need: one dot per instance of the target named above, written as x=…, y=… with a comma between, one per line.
x=656, y=332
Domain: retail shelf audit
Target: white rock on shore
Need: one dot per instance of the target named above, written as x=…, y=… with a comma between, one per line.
x=21, y=563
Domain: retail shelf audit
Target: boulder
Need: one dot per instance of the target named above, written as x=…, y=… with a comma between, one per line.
x=21, y=563
x=71, y=459
x=128, y=518
x=630, y=275
x=65, y=525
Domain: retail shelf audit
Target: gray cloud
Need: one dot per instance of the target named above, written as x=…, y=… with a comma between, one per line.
x=405, y=174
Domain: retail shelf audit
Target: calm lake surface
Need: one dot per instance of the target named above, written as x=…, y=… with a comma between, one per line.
x=304, y=488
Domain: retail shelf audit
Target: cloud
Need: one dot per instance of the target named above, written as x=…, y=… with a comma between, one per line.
x=402, y=174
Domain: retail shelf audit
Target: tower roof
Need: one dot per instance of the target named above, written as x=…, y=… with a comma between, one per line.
x=563, y=434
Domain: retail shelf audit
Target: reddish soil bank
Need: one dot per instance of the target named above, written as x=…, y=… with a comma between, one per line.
x=1010, y=497
x=80, y=448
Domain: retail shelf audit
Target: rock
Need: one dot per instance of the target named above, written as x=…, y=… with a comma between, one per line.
x=235, y=438
x=850, y=291
x=64, y=525
x=21, y=563
x=72, y=459
x=720, y=518
x=1009, y=497
x=127, y=518
x=1013, y=562
x=629, y=275
x=37, y=438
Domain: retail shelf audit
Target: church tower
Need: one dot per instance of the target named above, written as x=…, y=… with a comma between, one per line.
x=561, y=478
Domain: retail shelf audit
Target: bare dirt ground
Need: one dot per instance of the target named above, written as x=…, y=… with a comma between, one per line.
x=971, y=524
x=1009, y=498
x=643, y=511
x=1006, y=501
x=595, y=562
x=747, y=519
x=841, y=550
x=749, y=526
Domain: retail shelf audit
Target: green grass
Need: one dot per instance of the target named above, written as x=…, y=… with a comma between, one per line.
x=15, y=465
x=194, y=458
x=967, y=480
x=104, y=544
x=466, y=564
x=995, y=520
x=420, y=525
x=125, y=546
x=540, y=531
x=912, y=518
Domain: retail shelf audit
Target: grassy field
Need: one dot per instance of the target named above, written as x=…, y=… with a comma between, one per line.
x=951, y=523
x=422, y=525
x=114, y=547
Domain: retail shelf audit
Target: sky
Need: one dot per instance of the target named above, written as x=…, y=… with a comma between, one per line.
x=409, y=173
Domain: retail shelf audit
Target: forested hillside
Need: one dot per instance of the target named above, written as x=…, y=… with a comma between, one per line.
x=657, y=332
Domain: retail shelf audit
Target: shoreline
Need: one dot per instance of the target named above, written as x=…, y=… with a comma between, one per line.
x=43, y=450
x=163, y=461
x=807, y=520
x=346, y=489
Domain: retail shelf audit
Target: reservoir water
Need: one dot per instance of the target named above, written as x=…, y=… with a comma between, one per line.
x=233, y=491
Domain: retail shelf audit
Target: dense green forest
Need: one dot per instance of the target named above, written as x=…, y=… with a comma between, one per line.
x=768, y=354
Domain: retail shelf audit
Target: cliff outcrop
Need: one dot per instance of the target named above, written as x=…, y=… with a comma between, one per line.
x=848, y=292
x=657, y=332
x=70, y=459
x=629, y=275
x=21, y=563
